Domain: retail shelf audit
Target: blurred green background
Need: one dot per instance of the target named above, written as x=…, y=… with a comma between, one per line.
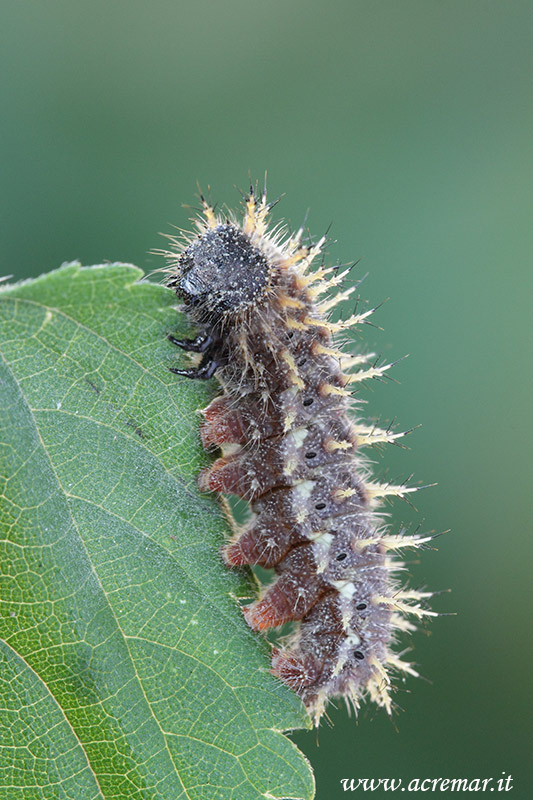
x=409, y=125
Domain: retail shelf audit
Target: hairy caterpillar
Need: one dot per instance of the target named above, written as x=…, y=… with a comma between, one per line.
x=290, y=447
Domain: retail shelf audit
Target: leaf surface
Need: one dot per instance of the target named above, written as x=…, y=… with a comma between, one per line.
x=127, y=670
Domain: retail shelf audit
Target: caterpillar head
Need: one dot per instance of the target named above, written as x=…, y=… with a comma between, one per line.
x=221, y=272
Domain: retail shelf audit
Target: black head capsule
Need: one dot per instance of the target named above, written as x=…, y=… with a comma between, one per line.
x=221, y=272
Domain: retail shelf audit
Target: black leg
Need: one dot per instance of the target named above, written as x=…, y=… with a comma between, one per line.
x=197, y=345
x=205, y=370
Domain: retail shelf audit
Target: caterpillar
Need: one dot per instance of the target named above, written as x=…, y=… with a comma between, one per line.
x=290, y=442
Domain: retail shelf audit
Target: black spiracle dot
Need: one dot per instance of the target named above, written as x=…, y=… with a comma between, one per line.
x=358, y=655
x=342, y=556
x=361, y=606
x=301, y=362
x=320, y=506
x=310, y=454
x=308, y=401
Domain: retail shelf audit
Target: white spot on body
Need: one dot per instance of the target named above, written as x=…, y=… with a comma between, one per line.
x=229, y=449
x=305, y=488
x=321, y=538
x=353, y=639
x=298, y=436
x=321, y=547
x=345, y=588
x=346, y=609
x=290, y=466
x=289, y=419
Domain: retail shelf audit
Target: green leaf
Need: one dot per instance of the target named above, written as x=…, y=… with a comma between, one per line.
x=127, y=670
